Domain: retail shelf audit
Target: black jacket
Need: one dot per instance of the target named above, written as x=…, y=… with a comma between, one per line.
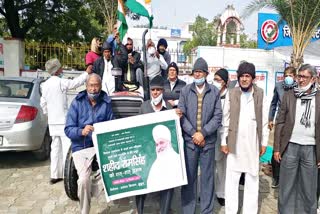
x=173, y=94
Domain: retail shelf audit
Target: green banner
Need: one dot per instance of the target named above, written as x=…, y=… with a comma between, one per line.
x=142, y=158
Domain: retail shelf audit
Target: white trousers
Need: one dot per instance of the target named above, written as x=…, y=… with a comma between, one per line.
x=87, y=187
x=250, y=195
x=220, y=177
x=59, y=149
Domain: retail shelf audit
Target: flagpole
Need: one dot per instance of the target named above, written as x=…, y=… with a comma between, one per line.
x=146, y=78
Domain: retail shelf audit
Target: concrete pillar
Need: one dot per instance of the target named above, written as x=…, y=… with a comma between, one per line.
x=238, y=37
x=224, y=35
x=219, y=37
x=13, y=55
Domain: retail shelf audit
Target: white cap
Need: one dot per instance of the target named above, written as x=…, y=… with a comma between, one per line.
x=52, y=66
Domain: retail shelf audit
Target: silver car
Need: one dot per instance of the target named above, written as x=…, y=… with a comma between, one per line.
x=23, y=126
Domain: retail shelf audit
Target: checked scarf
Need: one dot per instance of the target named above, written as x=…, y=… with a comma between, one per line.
x=305, y=100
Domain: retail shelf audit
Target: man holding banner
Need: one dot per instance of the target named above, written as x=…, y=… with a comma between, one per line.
x=89, y=107
x=201, y=107
x=156, y=104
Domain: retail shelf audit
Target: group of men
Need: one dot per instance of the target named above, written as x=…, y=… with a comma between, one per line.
x=225, y=130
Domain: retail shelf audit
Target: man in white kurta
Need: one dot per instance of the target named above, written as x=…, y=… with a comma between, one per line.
x=244, y=139
x=54, y=103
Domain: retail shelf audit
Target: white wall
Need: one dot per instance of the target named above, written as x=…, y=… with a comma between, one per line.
x=13, y=57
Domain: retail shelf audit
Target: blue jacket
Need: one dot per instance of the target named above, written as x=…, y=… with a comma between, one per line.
x=81, y=113
x=211, y=114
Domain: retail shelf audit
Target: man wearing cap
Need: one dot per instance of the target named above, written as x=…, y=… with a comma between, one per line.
x=162, y=50
x=173, y=85
x=54, y=103
x=133, y=74
x=244, y=139
x=201, y=107
x=221, y=78
x=103, y=65
x=156, y=104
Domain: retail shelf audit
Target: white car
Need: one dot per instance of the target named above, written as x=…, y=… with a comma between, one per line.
x=23, y=126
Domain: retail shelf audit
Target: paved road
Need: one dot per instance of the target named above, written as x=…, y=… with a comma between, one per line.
x=25, y=188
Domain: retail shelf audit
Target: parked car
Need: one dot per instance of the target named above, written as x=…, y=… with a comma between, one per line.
x=23, y=126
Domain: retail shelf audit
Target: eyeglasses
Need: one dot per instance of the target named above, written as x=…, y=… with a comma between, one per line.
x=303, y=77
x=129, y=43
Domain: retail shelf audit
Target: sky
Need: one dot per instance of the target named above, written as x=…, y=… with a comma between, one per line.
x=175, y=13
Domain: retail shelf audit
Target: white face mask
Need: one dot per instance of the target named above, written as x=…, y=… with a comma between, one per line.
x=157, y=100
x=305, y=88
x=217, y=84
x=151, y=50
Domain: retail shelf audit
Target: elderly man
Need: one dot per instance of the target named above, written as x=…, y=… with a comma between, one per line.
x=156, y=104
x=54, y=103
x=297, y=144
x=173, y=85
x=167, y=159
x=201, y=107
x=244, y=138
x=89, y=107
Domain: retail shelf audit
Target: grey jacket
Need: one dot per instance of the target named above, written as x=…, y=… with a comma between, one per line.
x=211, y=114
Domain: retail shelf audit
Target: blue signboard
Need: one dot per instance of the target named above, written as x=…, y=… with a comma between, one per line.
x=274, y=33
x=175, y=32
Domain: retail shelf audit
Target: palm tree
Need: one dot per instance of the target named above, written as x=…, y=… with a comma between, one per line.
x=302, y=16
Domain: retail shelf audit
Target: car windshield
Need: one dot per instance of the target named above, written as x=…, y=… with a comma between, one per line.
x=15, y=89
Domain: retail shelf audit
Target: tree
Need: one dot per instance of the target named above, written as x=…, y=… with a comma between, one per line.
x=107, y=10
x=50, y=20
x=203, y=33
x=303, y=18
x=247, y=43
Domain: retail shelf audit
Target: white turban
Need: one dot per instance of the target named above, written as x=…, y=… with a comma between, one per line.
x=161, y=131
x=52, y=66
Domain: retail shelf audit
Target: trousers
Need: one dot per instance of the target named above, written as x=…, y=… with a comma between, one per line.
x=250, y=195
x=298, y=180
x=59, y=149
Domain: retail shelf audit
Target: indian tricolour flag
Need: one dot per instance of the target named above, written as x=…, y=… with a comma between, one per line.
x=121, y=22
x=142, y=8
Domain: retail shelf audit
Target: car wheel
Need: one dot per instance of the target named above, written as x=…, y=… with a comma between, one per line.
x=70, y=178
x=44, y=152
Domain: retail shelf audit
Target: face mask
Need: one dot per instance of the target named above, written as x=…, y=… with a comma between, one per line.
x=93, y=96
x=60, y=75
x=288, y=80
x=217, y=84
x=157, y=100
x=162, y=51
x=199, y=81
x=305, y=88
x=152, y=50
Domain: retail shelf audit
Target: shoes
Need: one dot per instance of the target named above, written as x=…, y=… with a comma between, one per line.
x=275, y=183
x=221, y=201
x=55, y=180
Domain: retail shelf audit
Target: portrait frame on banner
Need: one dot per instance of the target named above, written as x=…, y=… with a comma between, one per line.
x=140, y=154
